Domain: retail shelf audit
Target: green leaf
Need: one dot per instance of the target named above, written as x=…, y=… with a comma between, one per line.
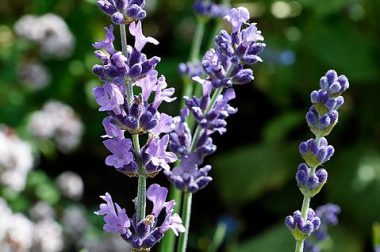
x=286, y=122
x=343, y=47
x=245, y=173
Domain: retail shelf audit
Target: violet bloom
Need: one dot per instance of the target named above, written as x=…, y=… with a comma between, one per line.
x=155, y=156
x=328, y=214
x=223, y=66
x=140, y=40
x=316, y=153
x=210, y=9
x=321, y=118
x=122, y=157
x=237, y=17
x=109, y=97
x=115, y=218
x=323, y=114
x=301, y=227
x=123, y=11
x=188, y=177
x=149, y=231
x=138, y=114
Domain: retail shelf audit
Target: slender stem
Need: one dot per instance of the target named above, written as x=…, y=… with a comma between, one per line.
x=305, y=206
x=219, y=235
x=186, y=213
x=197, y=40
x=299, y=246
x=194, y=56
x=123, y=36
x=141, y=186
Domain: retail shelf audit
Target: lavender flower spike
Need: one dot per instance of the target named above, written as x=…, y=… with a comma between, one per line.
x=321, y=118
x=142, y=235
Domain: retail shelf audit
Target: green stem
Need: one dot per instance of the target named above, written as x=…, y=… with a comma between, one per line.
x=194, y=56
x=141, y=186
x=186, y=213
x=299, y=246
x=219, y=235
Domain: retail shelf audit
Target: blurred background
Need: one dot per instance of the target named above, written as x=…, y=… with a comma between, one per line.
x=52, y=167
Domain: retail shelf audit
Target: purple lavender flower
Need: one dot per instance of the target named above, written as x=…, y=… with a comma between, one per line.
x=209, y=9
x=122, y=157
x=323, y=115
x=321, y=118
x=237, y=17
x=188, y=177
x=316, y=153
x=191, y=69
x=144, y=234
x=223, y=66
x=116, y=67
x=213, y=119
x=300, y=227
x=310, y=183
x=155, y=157
x=140, y=39
x=109, y=97
x=123, y=11
x=328, y=214
x=138, y=114
x=115, y=218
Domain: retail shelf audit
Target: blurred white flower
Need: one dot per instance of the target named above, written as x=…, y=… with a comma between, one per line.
x=58, y=122
x=41, y=210
x=48, y=236
x=74, y=223
x=70, y=184
x=33, y=75
x=19, y=235
x=49, y=31
x=16, y=160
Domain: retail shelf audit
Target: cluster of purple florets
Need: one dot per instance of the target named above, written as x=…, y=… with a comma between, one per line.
x=302, y=227
x=123, y=11
x=138, y=114
x=122, y=73
x=328, y=215
x=224, y=66
x=321, y=118
x=143, y=234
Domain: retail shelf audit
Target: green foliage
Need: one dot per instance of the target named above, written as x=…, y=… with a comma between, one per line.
x=247, y=172
x=278, y=238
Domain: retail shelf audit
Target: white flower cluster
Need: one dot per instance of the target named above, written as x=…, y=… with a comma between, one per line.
x=33, y=75
x=49, y=31
x=16, y=160
x=19, y=234
x=58, y=122
x=71, y=185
